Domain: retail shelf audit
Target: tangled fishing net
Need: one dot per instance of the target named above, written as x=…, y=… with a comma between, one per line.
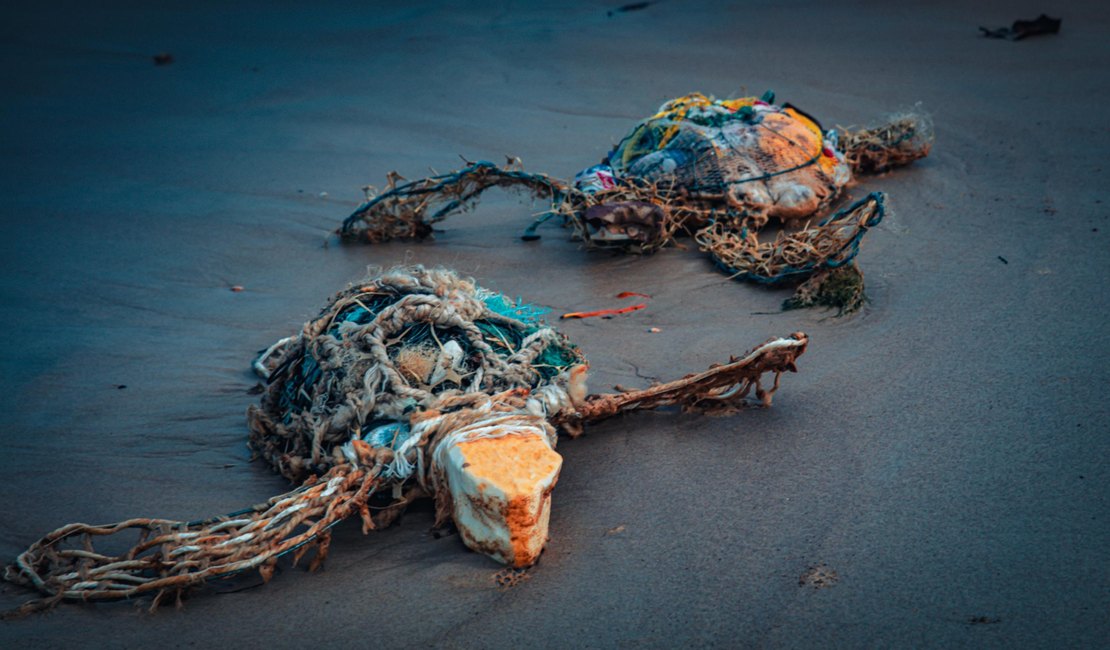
x=750, y=155
x=818, y=253
x=362, y=406
x=401, y=343
x=716, y=169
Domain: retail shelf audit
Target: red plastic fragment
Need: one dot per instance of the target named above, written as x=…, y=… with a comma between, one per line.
x=603, y=312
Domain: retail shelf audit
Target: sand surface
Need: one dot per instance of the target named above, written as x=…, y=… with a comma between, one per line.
x=943, y=454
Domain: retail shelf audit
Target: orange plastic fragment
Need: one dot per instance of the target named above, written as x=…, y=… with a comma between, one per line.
x=603, y=312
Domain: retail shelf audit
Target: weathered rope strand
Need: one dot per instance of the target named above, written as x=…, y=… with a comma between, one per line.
x=720, y=389
x=172, y=556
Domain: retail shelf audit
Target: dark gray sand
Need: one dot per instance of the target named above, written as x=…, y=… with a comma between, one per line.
x=936, y=474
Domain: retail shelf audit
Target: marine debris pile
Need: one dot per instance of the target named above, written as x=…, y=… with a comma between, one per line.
x=413, y=383
x=720, y=170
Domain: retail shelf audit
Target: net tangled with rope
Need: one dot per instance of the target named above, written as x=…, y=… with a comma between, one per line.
x=751, y=155
x=366, y=407
x=823, y=255
x=716, y=169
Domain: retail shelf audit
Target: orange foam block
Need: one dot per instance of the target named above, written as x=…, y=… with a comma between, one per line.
x=501, y=494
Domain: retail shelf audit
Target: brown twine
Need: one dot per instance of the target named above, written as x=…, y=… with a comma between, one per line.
x=722, y=389
x=409, y=214
x=740, y=251
x=409, y=211
x=905, y=138
x=172, y=556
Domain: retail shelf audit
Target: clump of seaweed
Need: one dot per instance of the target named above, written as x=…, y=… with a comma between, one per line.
x=840, y=288
x=906, y=137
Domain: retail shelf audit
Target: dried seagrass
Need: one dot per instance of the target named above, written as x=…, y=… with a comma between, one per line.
x=717, y=169
x=905, y=138
x=831, y=244
x=368, y=402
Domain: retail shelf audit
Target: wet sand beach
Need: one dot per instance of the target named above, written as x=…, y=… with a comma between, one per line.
x=935, y=474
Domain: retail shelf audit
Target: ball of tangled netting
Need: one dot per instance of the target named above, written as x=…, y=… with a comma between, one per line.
x=397, y=344
x=765, y=159
x=762, y=159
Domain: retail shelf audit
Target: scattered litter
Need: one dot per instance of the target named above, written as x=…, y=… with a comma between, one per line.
x=594, y=179
x=983, y=620
x=615, y=530
x=237, y=288
x=163, y=58
x=819, y=577
x=121, y=386
x=370, y=406
x=631, y=294
x=654, y=330
x=1024, y=28
x=323, y=195
x=1003, y=260
x=603, y=312
x=719, y=170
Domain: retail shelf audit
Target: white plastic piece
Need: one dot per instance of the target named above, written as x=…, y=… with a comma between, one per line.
x=500, y=474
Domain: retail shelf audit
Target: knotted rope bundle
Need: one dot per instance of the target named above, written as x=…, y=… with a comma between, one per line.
x=905, y=138
x=391, y=346
x=718, y=169
x=363, y=403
